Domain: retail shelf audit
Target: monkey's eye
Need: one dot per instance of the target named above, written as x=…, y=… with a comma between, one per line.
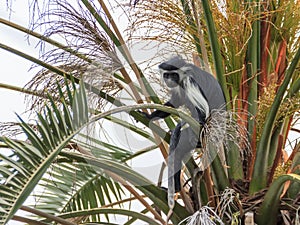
x=171, y=75
x=166, y=75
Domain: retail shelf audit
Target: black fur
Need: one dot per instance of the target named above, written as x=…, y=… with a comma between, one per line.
x=172, y=76
x=158, y=114
x=172, y=64
x=167, y=67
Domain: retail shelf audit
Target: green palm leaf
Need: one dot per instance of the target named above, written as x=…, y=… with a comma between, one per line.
x=22, y=171
x=135, y=215
x=272, y=198
x=70, y=187
x=260, y=170
x=155, y=194
x=56, y=127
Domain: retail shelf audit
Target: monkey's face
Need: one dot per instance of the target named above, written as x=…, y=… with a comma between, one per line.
x=171, y=79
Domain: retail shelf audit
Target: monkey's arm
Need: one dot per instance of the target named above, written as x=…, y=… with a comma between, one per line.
x=175, y=101
x=159, y=114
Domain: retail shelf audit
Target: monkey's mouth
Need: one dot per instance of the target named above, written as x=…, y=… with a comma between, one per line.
x=171, y=84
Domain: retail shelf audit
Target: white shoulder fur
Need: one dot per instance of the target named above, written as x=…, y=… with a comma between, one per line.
x=195, y=96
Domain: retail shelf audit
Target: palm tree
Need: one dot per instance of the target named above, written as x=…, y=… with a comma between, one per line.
x=77, y=176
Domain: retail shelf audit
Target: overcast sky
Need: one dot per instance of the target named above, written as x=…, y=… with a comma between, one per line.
x=14, y=69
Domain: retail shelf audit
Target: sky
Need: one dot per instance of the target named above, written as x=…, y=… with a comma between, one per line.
x=14, y=69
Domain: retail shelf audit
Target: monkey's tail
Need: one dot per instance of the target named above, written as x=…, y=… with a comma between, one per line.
x=171, y=160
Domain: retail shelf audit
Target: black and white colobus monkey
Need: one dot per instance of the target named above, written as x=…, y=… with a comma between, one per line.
x=201, y=93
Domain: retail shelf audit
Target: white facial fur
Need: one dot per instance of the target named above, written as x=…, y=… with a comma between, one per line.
x=192, y=90
x=180, y=72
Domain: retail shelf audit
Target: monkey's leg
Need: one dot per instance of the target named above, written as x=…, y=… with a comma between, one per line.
x=188, y=141
x=181, y=143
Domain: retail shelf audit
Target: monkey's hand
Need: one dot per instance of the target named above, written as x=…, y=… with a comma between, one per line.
x=144, y=114
x=157, y=114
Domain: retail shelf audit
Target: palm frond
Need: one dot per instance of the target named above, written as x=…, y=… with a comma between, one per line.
x=258, y=181
x=21, y=171
x=271, y=202
x=155, y=194
x=100, y=211
x=70, y=186
x=213, y=38
x=56, y=127
x=101, y=149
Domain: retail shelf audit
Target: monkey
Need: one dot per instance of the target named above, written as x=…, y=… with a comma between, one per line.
x=201, y=93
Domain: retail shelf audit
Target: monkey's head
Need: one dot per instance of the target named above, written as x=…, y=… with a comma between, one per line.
x=173, y=71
